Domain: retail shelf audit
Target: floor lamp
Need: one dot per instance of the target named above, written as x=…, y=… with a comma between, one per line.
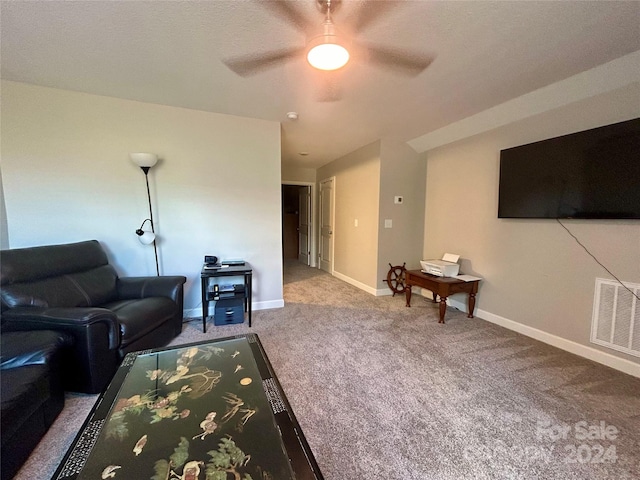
x=145, y=161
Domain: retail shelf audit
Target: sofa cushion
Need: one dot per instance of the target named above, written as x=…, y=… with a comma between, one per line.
x=89, y=288
x=24, y=390
x=36, y=347
x=138, y=317
x=34, y=263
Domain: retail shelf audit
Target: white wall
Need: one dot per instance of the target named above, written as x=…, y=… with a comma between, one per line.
x=216, y=189
x=4, y=232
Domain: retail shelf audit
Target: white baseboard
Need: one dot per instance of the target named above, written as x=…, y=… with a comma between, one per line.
x=197, y=312
x=585, y=351
x=267, y=305
x=355, y=283
x=380, y=292
x=192, y=313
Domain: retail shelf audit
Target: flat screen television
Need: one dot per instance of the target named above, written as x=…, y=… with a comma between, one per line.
x=589, y=174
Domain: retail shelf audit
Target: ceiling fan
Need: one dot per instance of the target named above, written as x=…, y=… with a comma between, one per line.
x=327, y=49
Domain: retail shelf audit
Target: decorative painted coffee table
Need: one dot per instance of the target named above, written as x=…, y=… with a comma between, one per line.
x=207, y=411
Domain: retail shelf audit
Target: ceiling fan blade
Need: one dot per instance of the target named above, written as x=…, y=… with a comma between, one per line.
x=286, y=10
x=409, y=63
x=247, y=65
x=371, y=12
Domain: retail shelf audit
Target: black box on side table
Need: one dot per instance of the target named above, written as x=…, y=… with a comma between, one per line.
x=208, y=280
x=219, y=292
x=228, y=311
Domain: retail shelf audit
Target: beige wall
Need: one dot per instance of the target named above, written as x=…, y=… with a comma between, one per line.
x=367, y=180
x=534, y=273
x=357, y=190
x=292, y=174
x=216, y=190
x=402, y=172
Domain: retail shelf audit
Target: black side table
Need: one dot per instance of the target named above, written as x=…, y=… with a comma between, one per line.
x=231, y=271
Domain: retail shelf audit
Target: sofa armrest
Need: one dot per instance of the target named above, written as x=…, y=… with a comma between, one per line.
x=89, y=364
x=75, y=320
x=145, y=287
x=36, y=347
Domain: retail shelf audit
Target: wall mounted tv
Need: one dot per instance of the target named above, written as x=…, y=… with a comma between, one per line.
x=589, y=174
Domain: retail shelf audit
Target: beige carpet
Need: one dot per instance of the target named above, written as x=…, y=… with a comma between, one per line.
x=384, y=391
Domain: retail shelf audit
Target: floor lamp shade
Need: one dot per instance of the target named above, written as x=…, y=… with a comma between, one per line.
x=144, y=160
x=146, y=238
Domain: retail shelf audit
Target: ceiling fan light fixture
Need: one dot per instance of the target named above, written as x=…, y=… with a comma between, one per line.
x=325, y=53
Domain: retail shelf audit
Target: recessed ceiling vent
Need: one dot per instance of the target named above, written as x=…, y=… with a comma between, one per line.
x=616, y=316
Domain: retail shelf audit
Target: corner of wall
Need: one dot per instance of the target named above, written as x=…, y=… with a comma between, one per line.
x=4, y=227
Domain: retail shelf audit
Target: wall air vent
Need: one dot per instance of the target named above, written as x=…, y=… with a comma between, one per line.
x=616, y=316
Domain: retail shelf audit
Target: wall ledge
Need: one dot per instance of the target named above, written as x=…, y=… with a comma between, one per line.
x=604, y=78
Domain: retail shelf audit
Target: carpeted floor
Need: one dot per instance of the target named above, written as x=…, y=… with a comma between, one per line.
x=384, y=391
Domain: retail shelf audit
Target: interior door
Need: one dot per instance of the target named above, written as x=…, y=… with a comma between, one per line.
x=326, y=225
x=304, y=225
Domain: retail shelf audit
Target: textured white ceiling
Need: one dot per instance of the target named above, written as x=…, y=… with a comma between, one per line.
x=171, y=52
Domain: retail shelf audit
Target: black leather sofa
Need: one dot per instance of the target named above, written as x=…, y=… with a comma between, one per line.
x=32, y=391
x=72, y=288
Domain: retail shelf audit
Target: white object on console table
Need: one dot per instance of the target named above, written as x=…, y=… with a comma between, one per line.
x=451, y=257
x=447, y=267
x=467, y=278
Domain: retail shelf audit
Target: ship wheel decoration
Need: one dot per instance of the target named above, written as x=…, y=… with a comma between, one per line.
x=395, y=278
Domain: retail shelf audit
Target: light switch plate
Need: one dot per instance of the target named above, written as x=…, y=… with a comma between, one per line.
x=388, y=223
x=398, y=199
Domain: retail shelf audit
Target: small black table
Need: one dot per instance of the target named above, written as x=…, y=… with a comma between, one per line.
x=228, y=271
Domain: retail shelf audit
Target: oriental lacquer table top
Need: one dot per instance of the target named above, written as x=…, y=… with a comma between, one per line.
x=205, y=411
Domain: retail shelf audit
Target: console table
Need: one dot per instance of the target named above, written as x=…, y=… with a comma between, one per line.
x=230, y=271
x=442, y=286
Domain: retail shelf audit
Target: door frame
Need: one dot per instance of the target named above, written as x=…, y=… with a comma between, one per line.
x=333, y=217
x=314, y=218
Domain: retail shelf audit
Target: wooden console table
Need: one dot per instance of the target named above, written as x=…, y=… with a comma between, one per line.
x=442, y=286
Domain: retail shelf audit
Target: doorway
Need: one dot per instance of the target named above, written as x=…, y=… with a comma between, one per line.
x=297, y=222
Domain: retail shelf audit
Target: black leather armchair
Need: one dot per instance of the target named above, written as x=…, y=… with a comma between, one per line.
x=73, y=288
